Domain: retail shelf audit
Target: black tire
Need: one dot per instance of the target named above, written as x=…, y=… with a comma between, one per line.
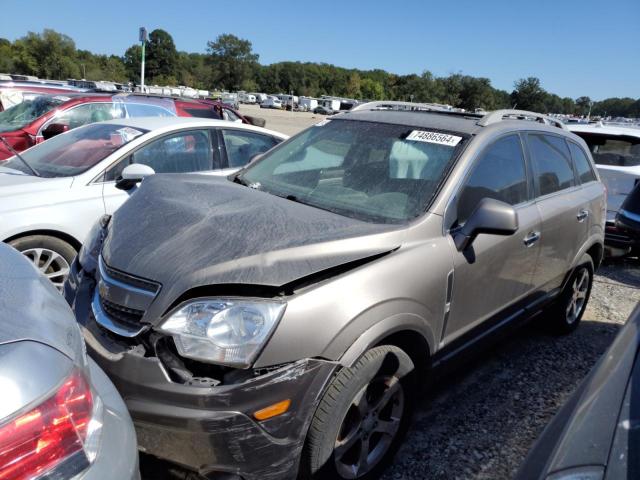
x=382, y=382
x=58, y=269
x=562, y=319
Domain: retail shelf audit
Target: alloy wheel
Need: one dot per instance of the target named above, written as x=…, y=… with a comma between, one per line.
x=369, y=427
x=52, y=265
x=578, y=293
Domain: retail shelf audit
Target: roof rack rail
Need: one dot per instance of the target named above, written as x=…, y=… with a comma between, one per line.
x=500, y=115
x=407, y=106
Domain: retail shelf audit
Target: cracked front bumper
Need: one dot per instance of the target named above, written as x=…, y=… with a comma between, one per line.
x=210, y=430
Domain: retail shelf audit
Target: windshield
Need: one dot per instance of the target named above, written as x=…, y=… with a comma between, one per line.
x=24, y=113
x=377, y=172
x=75, y=151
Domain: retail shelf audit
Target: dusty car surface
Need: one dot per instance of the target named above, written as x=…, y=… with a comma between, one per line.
x=60, y=416
x=594, y=435
x=291, y=309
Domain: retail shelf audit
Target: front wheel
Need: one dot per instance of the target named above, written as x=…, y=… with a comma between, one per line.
x=51, y=255
x=361, y=418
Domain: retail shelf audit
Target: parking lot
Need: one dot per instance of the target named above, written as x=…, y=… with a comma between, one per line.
x=281, y=120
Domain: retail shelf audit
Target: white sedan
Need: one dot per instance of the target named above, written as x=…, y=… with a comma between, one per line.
x=53, y=193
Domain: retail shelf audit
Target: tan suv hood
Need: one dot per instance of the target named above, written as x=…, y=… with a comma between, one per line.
x=186, y=231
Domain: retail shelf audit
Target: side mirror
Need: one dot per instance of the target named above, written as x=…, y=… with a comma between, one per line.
x=490, y=216
x=54, y=129
x=257, y=121
x=132, y=175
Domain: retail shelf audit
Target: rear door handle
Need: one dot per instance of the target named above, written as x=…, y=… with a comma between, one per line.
x=582, y=215
x=532, y=238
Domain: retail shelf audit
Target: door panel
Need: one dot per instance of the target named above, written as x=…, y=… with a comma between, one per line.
x=496, y=272
x=562, y=206
x=561, y=235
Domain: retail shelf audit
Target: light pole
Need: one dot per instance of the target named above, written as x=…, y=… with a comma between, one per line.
x=143, y=40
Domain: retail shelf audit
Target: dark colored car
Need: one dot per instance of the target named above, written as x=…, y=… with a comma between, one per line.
x=627, y=223
x=275, y=322
x=595, y=435
x=40, y=118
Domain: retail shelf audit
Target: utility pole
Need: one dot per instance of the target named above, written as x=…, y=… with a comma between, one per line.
x=143, y=40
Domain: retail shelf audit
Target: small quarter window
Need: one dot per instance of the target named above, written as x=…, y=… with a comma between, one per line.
x=583, y=166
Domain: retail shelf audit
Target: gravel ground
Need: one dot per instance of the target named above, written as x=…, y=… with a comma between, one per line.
x=481, y=422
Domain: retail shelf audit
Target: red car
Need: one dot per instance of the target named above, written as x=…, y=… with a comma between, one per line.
x=13, y=93
x=40, y=118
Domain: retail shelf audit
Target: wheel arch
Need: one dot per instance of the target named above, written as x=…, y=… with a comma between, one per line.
x=70, y=239
x=407, y=332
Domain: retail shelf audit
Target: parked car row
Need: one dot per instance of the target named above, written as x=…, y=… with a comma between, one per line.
x=294, y=306
x=616, y=152
x=43, y=116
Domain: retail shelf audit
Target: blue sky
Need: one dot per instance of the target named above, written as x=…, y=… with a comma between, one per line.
x=576, y=47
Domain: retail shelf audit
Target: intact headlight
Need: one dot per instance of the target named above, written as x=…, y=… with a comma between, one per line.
x=88, y=255
x=225, y=331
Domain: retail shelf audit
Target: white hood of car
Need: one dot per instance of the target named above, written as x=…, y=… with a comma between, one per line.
x=18, y=190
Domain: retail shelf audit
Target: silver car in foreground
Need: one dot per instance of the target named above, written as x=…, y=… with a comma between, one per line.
x=275, y=322
x=60, y=416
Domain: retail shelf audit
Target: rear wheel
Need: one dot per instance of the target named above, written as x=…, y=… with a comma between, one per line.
x=361, y=418
x=566, y=314
x=51, y=255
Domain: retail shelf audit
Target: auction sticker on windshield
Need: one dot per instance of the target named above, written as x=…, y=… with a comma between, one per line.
x=433, y=137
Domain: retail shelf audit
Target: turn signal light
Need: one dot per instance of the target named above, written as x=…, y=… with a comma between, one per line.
x=272, y=410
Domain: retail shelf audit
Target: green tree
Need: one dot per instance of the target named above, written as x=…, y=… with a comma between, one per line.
x=232, y=61
x=583, y=105
x=529, y=95
x=371, y=89
x=161, y=56
x=132, y=61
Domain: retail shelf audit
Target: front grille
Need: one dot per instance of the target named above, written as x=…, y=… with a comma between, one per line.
x=127, y=317
x=121, y=300
x=131, y=280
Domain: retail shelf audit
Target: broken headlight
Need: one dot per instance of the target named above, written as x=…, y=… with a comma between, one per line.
x=223, y=331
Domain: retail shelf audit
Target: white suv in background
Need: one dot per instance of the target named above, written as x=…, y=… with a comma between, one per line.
x=616, y=152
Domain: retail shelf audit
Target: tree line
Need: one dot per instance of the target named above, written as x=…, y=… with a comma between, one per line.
x=231, y=64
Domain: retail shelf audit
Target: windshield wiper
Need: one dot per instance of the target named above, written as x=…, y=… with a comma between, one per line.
x=11, y=149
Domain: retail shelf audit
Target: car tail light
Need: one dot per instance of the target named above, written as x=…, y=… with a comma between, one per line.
x=52, y=437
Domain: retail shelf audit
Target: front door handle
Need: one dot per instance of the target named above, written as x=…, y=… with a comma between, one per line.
x=582, y=215
x=532, y=238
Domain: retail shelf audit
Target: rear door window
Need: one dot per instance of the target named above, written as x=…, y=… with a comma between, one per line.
x=499, y=173
x=551, y=162
x=583, y=166
x=242, y=146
